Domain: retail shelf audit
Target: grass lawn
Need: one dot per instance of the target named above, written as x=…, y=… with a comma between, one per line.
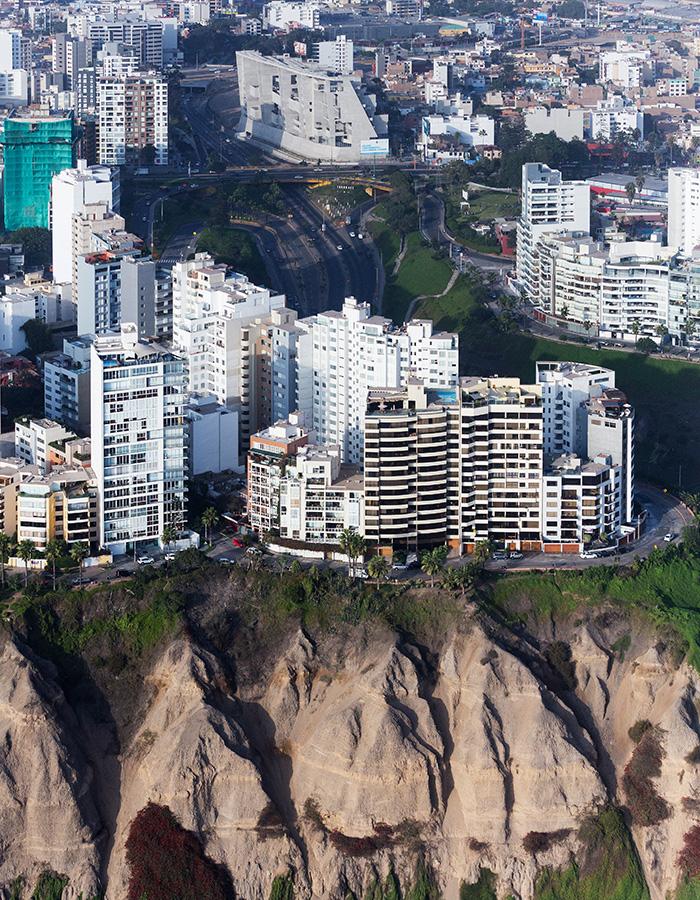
x=485, y=206
x=419, y=273
x=387, y=240
x=664, y=392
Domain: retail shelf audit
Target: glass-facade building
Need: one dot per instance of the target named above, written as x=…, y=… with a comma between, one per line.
x=35, y=149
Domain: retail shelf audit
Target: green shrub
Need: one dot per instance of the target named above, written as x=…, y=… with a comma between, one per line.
x=483, y=889
x=639, y=729
x=49, y=886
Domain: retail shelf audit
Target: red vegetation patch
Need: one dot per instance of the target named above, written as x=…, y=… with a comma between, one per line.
x=689, y=855
x=166, y=861
x=644, y=802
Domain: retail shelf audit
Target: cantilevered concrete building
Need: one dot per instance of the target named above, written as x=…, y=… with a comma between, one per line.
x=306, y=110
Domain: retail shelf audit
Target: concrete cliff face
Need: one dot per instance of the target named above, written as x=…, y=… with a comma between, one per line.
x=351, y=756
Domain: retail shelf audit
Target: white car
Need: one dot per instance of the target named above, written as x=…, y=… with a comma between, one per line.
x=352, y=234
x=669, y=537
x=145, y=560
x=588, y=554
x=169, y=557
x=339, y=247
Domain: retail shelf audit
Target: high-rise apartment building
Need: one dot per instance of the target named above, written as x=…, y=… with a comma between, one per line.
x=67, y=384
x=239, y=341
x=454, y=466
x=114, y=287
x=345, y=354
x=72, y=190
x=132, y=116
x=271, y=451
x=36, y=147
x=684, y=209
x=566, y=389
x=70, y=54
x=412, y=467
x=138, y=437
x=611, y=435
x=15, y=50
x=335, y=56
x=549, y=205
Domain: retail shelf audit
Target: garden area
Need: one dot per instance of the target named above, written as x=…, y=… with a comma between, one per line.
x=484, y=207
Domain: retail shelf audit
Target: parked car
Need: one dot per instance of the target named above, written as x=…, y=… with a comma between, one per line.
x=123, y=573
x=169, y=557
x=226, y=561
x=145, y=560
x=669, y=537
x=499, y=554
x=588, y=554
x=253, y=551
x=515, y=554
x=237, y=542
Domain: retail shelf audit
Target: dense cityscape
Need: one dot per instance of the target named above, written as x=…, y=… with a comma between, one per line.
x=352, y=307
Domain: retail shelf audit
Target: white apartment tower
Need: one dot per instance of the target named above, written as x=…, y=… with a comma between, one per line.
x=137, y=432
x=72, y=190
x=15, y=50
x=566, y=388
x=549, y=205
x=132, y=116
x=346, y=354
x=684, y=209
x=239, y=340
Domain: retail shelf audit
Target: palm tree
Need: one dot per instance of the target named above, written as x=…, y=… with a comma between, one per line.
x=78, y=553
x=465, y=578
x=209, y=519
x=450, y=579
x=661, y=330
x=432, y=561
x=168, y=536
x=54, y=551
x=587, y=324
x=640, y=181
x=564, y=311
x=352, y=544
x=378, y=568
x=630, y=190
x=25, y=551
x=636, y=327
x=482, y=551
x=6, y=543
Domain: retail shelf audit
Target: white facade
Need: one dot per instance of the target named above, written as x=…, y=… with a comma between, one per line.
x=549, y=205
x=14, y=88
x=613, y=116
x=213, y=435
x=33, y=438
x=67, y=384
x=15, y=51
x=684, y=209
x=303, y=110
x=280, y=15
x=132, y=116
x=224, y=326
x=566, y=388
x=71, y=191
x=16, y=308
x=319, y=498
x=567, y=124
x=336, y=56
x=624, y=66
x=347, y=353
x=138, y=439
